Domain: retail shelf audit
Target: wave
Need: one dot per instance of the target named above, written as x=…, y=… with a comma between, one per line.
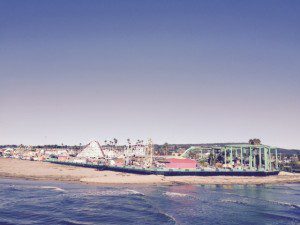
x=234, y=201
x=182, y=195
x=280, y=217
x=52, y=188
x=171, y=218
x=176, y=194
x=114, y=192
x=285, y=204
x=14, y=187
x=74, y=222
x=264, y=200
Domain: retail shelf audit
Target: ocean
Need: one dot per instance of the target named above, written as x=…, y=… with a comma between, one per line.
x=44, y=202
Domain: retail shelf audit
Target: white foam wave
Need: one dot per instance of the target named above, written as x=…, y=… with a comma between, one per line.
x=263, y=200
x=169, y=216
x=285, y=204
x=53, y=188
x=114, y=192
x=234, y=201
x=70, y=221
x=176, y=194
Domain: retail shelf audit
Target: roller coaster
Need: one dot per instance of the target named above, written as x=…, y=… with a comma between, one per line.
x=242, y=156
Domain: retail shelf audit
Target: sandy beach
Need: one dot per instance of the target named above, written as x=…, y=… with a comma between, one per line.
x=13, y=168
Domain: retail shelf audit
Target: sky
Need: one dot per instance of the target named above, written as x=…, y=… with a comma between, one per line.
x=174, y=71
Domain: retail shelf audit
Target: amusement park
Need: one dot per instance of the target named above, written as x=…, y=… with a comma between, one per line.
x=247, y=159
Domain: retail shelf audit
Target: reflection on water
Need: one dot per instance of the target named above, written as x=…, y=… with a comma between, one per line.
x=35, y=202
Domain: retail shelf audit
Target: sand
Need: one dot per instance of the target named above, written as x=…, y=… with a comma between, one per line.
x=14, y=168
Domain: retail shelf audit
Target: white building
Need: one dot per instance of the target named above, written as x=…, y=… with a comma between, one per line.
x=135, y=150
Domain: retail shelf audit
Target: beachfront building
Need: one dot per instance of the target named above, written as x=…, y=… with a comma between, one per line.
x=135, y=150
x=180, y=163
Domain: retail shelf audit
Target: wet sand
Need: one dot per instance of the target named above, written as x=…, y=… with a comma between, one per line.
x=14, y=168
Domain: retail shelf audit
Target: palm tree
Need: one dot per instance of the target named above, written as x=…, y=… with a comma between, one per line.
x=255, y=141
x=166, y=148
x=115, y=141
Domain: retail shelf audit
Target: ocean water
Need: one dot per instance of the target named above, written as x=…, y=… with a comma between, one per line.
x=37, y=202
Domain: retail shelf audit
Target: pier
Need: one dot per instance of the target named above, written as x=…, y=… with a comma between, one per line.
x=227, y=160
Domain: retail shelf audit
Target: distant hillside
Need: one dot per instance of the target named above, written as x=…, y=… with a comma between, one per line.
x=289, y=151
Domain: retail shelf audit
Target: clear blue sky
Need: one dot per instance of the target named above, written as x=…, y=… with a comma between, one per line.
x=176, y=71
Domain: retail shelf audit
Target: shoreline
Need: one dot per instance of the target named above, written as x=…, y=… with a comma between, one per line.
x=44, y=171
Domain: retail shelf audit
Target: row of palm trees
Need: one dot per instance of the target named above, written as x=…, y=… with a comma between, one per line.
x=112, y=142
